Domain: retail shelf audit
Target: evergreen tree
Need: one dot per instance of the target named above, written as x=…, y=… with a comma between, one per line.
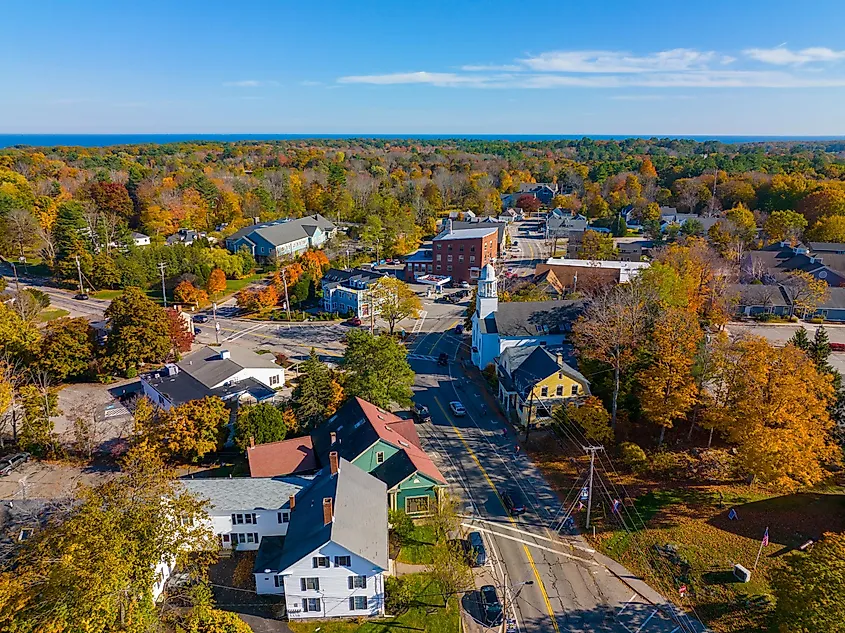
x=262, y=422
x=820, y=349
x=800, y=339
x=377, y=369
x=314, y=392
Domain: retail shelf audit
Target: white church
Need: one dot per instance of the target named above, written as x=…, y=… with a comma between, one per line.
x=496, y=327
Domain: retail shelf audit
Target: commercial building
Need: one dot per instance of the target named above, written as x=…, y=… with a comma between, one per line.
x=345, y=291
x=459, y=254
x=282, y=238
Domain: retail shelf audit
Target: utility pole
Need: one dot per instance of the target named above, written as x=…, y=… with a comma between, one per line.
x=505, y=600
x=530, y=411
x=216, y=324
x=15, y=272
x=592, y=451
x=287, y=299
x=79, y=270
x=161, y=267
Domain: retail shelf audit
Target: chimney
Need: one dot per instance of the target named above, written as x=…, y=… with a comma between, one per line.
x=292, y=502
x=559, y=359
x=333, y=437
x=333, y=463
x=252, y=441
x=450, y=225
x=224, y=354
x=327, y=511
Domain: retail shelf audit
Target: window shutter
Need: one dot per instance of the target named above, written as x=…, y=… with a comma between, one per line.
x=305, y=604
x=314, y=562
x=316, y=584
x=350, y=579
x=365, y=581
x=233, y=519
x=351, y=604
x=254, y=520
x=302, y=584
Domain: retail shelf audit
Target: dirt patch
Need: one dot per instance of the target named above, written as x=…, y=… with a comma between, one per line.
x=51, y=480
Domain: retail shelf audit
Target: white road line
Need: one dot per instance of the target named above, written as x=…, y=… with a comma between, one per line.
x=653, y=613
x=530, y=544
x=235, y=337
x=677, y=628
x=527, y=533
x=630, y=600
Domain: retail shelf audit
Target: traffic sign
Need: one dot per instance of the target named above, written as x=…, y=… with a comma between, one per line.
x=682, y=590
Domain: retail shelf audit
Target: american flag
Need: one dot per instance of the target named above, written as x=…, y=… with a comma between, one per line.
x=766, y=538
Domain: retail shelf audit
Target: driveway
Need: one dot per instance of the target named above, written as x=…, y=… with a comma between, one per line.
x=259, y=612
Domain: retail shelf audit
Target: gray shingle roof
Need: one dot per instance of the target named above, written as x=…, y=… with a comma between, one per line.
x=245, y=493
x=280, y=232
x=835, y=299
x=536, y=318
x=359, y=523
x=206, y=366
x=756, y=295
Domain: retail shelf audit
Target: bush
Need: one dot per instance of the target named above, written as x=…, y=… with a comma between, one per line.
x=401, y=524
x=132, y=372
x=633, y=456
x=491, y=377
x=397, y=595
x=816, y=320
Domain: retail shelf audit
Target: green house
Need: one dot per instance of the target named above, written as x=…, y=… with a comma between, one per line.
x=385, y=446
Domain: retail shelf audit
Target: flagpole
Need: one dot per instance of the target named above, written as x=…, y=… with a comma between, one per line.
x=760, y=551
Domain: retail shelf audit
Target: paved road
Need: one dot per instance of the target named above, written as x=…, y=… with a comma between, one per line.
x=573, y=590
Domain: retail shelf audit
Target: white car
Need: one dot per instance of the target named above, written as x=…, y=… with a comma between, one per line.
x=458, y=409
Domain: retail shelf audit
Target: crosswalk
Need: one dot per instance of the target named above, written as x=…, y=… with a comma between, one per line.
x=420, y=357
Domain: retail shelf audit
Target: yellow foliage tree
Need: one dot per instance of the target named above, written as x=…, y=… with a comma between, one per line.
x=667, y=389
x=591, y=416
x=216, y=282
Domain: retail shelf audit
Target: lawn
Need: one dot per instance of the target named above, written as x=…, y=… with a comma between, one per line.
x=426, y=613
x=235, y=285
x=690, y=539
x=416, y=549
x=108, y=295
x=52, y=314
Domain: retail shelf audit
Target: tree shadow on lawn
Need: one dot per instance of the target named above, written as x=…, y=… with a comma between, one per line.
x=791, y=519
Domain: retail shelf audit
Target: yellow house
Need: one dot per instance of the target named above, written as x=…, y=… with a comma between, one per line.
x=533, y=380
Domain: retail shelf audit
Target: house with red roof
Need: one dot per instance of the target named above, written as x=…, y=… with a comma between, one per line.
x=377, y=441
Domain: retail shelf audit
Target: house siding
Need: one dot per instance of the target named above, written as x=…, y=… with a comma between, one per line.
x=334, y=592
x=417, y=485
x=366, y=461
x=266, y=524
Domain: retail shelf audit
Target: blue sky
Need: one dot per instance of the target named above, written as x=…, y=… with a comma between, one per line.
x=567, y=67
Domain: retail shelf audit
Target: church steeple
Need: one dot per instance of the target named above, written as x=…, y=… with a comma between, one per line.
x=487, y=299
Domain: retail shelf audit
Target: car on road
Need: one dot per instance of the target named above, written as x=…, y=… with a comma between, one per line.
x=197, y=331
x=443, y=359
x=513, y=502
x=459, y=328
x=491, y=608
x=8, y=464
x=420, y=412
x=837, y=347
x=464, y=284
x=81, y=296
x=462, y=294
x=458, y=409
x=475, y=550
x=201, y=318
x=354, y=321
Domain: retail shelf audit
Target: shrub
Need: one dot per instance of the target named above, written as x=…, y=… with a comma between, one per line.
x=491, y=377
x=132, y=372
x=633, y=456
x=397, y=594
x=401, y=524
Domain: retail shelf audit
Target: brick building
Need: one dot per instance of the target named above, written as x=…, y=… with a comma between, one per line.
x=457, y=254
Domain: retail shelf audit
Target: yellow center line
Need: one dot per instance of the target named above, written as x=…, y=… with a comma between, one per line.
x=510, y=518
x=442, y=334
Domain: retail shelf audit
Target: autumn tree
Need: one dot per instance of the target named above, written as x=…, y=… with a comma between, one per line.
x=377, y=369
x=667, y=389
x=590, y=415
x=647, y=169
x=19, y=337
x=140, y=331
x=67, y=348
x=784, y=225
x=181, y=337
x=39, y=401
x=828, y=229
x=187, y=432
x=612, y=329
x=188, y=293
x=262, y=423
x=315, y=263
x=216, y=283
x=528, y=203
x=804, y=291
x=394, y=300
x=94, y=568
x=809, y=588
x=596, y=245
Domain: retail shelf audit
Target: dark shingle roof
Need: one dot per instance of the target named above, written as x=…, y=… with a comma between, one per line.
x=531, y=363
x=280, y=232
x=536, y=317
x=460, y=226
x=359, y=523
x=757, y=295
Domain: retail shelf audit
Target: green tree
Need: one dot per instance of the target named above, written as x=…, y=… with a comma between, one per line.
x=67, y=348
x=784, y=225
x=262, y=422
x=39, y=401
x=800, y=339
x=19, y=337
x=449, y=570
x=140, y=331
x=377, y=370
x=809, y=588
x=313, y=393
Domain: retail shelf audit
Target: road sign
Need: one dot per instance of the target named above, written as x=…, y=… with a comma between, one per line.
x=585, y=493
x=682, y=590
x=217, y=326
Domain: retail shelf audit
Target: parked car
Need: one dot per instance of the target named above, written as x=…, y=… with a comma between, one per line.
x=201, y=318
x=837, y=347
x=421, y=412
x=457, y=409
x=459, y=329
x=354, y=321
x=443, y=359
x=513, y=502
x=477, y=553
x=197, y=331
x=8, y=464
x=81, y=296
x=491, y=608
x=464, y=284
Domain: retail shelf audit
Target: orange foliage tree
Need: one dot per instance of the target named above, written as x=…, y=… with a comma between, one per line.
x=314, y=263
x=216, y=282
x=186, y=292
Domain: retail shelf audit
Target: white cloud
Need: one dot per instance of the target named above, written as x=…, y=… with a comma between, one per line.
x=435, y=79
x=618, y=62
x=782, y=56
x=310, y=83
x=249, y=83
x=493, y=68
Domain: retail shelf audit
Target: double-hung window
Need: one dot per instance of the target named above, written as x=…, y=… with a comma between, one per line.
x=342, y=561
x=357, y=603
x=283, y=517
x=309, y=584
x=320, y=561
x=278, y=581
x=357, y=582
x=311, y=604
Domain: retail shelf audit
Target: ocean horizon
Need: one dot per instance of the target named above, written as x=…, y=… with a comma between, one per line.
x=106, y=140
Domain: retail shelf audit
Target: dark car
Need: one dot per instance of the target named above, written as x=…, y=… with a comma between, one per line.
x=354, y=321
x=197, y=331
x=201, y=318
x=8, y=464
x=421, y=412
x=476, y=552
x=491, y=608
x=459, y=329
x=513, y=502
x=81, y=296
x=443, y=359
